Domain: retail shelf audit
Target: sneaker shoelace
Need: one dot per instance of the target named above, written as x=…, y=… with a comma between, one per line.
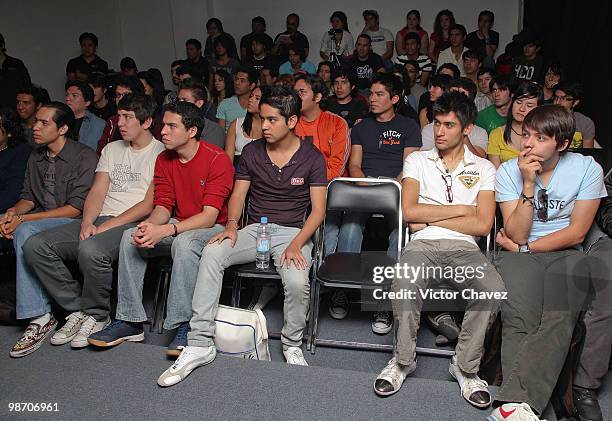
x=182, y=359
x=339, y=299
x=72, y=320
x=88, y=326
x=440, y=317
x=382, y=317
x=475, y=383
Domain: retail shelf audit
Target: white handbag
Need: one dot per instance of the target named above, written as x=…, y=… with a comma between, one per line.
x=241, y=333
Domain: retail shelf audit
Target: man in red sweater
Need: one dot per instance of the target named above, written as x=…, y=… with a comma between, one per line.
x=193, y=180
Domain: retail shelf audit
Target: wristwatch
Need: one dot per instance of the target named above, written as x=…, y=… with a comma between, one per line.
x=524, y=248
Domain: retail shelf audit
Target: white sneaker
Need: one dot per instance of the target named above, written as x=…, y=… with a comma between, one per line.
x=89, y=326
x=391, y=378
x=294, y=356
x=191, y=358
x=513, y=412
x=473, y=388
x=70, y=328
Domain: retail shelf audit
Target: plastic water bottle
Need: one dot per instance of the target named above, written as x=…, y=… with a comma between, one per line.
x=262, y=259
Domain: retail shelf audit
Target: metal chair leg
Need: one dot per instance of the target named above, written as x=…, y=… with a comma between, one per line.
x=166, y=287
x=311, y=313
x=315, y=324
x=156, y=301
x=236, y=291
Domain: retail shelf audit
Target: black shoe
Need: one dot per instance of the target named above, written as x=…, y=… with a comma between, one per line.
x=180, y=340
x=586, y=404
x=444, y=324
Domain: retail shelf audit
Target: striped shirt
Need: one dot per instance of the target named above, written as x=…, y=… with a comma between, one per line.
x=424, y=64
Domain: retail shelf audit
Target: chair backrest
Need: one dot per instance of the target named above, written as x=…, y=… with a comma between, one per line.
x=372, y=195
x=379, y=196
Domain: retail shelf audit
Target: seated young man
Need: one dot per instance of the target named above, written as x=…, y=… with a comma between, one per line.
x=286, y=176
x=57, y=180
x=328, y=132
x=595, y=356
x=192, y=181
x=548, y=199
x=448, y=200
x=379, y=146
x=120, y=196
x=343, y=101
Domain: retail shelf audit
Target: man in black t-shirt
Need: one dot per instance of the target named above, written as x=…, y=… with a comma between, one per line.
x=484, y=40
x=258, y=25
x=13, y=75
x=365, y=63
x=88, y=62
x=342, y=102
x=380, y=144
x=290, y=36
x=259, y=57
x=529, y=66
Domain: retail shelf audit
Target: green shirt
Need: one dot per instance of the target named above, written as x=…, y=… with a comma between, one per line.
x=489, y=119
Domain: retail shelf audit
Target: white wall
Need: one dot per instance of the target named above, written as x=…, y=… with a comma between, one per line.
x=44, y=34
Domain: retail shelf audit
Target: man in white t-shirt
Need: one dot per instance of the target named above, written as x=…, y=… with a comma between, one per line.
x=121, y=195
x=382, y=38
x=448, y=200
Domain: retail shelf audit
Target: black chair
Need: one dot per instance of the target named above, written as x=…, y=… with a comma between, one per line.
x=353, y=270
x=161, y=294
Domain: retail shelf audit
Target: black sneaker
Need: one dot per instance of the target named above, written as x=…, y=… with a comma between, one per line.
x=339, y=305
x=180, y=340
x=117, y=332
x=382, y=322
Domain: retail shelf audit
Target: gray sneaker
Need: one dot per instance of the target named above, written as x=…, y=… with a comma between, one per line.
x=191, y=358
x=70, y=328
x=88, y=327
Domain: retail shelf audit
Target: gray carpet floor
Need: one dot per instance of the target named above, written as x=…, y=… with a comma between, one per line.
x=120, y=383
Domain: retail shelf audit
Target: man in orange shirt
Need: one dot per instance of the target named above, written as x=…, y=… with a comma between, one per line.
x=327, y=131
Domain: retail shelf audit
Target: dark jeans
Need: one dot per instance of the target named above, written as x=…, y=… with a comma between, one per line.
x=47, y=252
x=546, y=292
x=595, y=357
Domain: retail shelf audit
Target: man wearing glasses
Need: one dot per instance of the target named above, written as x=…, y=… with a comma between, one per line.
x=569, y=95
x=448, y=200
x=548, y=198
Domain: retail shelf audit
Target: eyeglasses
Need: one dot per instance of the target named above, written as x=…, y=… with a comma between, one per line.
x=542, y=212
x=448, y=180
x=563, y=98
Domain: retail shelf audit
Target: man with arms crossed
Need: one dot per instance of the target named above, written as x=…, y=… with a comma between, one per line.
x=285, y=176
x=448, y=200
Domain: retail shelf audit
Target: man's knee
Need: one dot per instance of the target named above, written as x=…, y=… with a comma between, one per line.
x=296, y=282
x=34, y=247
x=93, y=251
x=186, y=243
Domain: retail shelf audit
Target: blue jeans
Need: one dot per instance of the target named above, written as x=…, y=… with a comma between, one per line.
x=32, y=300
x=351, y=234
x=186, y=251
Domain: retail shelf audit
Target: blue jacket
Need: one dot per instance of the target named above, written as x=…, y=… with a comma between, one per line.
x=91, y=130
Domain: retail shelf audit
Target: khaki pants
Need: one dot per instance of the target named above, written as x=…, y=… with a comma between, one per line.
x=479, y=313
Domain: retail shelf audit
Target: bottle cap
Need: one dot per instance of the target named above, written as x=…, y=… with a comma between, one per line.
x=264, y=219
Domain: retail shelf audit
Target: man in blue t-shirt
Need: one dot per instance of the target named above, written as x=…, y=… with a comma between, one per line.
x=548, y=199
x=380, y=144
